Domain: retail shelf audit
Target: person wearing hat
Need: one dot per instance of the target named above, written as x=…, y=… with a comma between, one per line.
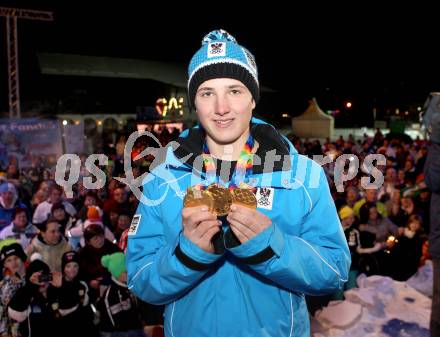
x=74, y=300
x=94, y=216
x=8, y=202
x=35, y=305
x=432, y=180
x=20, y=228
x=118, y=308
x=12, y=261
x=245, y=272
x=346, y=215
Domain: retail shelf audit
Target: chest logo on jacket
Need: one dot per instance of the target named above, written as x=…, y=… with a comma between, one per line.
x=265, y=197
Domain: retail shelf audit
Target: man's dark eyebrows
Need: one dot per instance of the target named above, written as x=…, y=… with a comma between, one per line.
x=205, y=89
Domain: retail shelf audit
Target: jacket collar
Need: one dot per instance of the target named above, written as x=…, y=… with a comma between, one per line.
x=191, y=141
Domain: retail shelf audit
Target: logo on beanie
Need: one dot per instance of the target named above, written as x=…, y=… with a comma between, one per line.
x=134, y=224
x=250, y=59
x=216, y=49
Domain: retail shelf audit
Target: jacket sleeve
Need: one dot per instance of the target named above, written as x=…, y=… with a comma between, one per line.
x=160, y=269
x=315, y=262
x=19, y=306
x=432, y=168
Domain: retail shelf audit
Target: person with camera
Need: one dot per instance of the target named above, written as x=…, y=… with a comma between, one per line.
x=35, y=306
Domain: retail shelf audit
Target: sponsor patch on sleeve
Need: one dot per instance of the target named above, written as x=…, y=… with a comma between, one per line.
x=134, y=224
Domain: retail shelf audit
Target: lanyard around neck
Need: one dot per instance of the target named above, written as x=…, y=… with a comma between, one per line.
x=242, y=170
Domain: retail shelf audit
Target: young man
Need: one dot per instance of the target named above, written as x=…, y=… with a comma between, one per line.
x=244, y=273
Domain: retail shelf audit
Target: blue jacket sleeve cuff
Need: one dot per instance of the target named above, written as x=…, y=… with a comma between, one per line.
x=262, y=247
x=195, y=253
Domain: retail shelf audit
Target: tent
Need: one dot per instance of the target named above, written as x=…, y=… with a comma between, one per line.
x=313, y=123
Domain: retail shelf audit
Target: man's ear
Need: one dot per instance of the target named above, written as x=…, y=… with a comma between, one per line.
x=253, y=104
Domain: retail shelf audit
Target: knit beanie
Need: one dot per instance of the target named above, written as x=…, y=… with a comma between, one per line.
x=115, y=263
x=93, y=214
x=222, y=57
x=68, y=257
x=12, y=249
x=345, y=212
x=35, y=266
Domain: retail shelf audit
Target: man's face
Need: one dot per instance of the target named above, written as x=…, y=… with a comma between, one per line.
x=55, y=196
x=90, y=201
x=351, y=195
x=407, y=202
x=7, y=196
x=391, y=173
x=349, y=220
x=371, y=195
x=123, y=222
x=52, y=234
x=13, y=264
x=113, y=217
x=224, y=108
x=119, y=195
x=97, y=241
x=71, y=270
x=59, y=214
x=20, y=220
x=373, y=213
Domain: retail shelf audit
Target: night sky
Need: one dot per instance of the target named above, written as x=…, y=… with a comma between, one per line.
x=378, y=57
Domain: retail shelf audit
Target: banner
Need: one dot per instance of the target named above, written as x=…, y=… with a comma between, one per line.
x=25, y=140
x=74, y=138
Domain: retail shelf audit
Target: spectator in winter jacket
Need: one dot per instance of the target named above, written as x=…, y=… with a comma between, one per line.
x=12, y=262
x=74, y=300
x=118, y=307
x=50, y=244
x=90, y=255
x=20, y=228
x=8, y=202
x=35, y=306
x=94, y=216
x=43, y=210
x=407, y=251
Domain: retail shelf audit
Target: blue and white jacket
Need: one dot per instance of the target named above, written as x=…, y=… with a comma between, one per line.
x=251, y=289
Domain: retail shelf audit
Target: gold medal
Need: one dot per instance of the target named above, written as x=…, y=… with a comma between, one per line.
x=196, y=197
x=222, y=199
x=244, y=197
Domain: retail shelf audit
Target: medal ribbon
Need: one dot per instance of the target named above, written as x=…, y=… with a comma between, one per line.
x=242, y=170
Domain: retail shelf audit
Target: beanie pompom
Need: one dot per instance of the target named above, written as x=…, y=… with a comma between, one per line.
x=115, y=263
x=218, y=35
x=36, y=256
x=105, y=261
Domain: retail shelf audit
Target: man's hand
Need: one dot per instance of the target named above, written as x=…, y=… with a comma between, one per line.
x=246, y=222
x=199, y=226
